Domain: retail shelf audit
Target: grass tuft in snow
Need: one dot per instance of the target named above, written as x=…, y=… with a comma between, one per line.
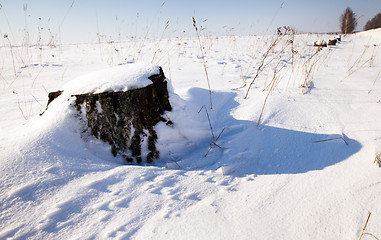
x=281, y=33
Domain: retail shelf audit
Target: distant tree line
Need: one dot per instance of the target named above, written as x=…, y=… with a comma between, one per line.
x=348, y=21
x=373, y=23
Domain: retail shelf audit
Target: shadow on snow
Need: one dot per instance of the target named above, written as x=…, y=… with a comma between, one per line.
x=248, y=149
x=245, y=148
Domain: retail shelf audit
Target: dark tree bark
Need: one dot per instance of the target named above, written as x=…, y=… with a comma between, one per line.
x=126, y=119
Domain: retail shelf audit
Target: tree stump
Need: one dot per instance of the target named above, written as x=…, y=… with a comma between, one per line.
x=126, y=119
x=332, y=42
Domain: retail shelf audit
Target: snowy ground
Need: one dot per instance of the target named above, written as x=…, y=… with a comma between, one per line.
x=274, y=181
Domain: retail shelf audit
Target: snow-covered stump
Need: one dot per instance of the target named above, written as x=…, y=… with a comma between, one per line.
x=125, y=119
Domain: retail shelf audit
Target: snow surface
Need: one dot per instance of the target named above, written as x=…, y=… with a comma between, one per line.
x=116, y=79
x=275, y=181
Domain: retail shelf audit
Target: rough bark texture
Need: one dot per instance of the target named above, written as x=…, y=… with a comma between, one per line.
x=126, y=119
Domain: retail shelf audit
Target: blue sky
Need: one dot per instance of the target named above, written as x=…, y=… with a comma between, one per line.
x=130, y=18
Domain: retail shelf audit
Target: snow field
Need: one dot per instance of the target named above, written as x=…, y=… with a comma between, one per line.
x=274, y=181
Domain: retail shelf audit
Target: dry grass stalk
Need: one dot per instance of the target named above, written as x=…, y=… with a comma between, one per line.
x=377, y=160
x=293, y=51
x=67, y=13
x=378, y=75
x=161, y=38
x=18, y=103
x=264, y=103
x=355, y=66
x=36, y=100
x=26, y=32
x=331, y=139
x=169, y=67
x=204, y=61
x=373, y=55
x=167, y=53
x=62, y=22
x=363, y=230
x=2, y=77
x=366, y=224
x=309, y=67
x=355, y=70
x=117, y=51
x=214, y=141
x=11, y=49
x=239, y=59
x=38, y=74
x=210, y=124
x=369, y=234
x=245, y=76
x=270, y=88
x=260, y=67
x=281, y=32
x=173, y=159
x=298, y=56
